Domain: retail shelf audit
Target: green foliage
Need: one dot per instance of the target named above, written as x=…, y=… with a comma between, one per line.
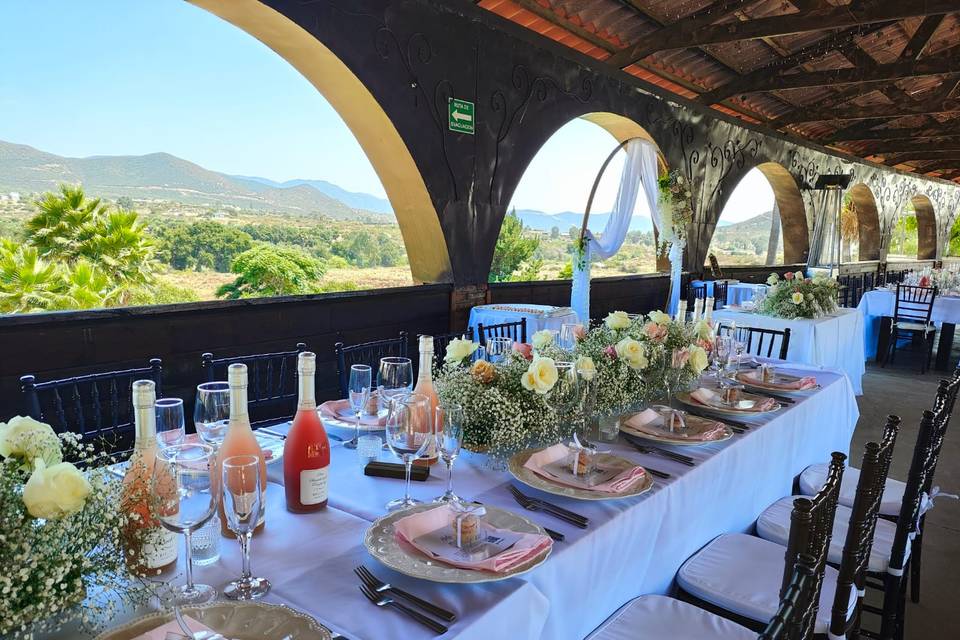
x=337, y=285
x=514, y=251
x=201, y=245
x=272, y=271
x=125, y=203
x=566, y=271
x=164, y=293
x=27, y=282
x=366, y=249
x=904, y=240
x=953, y=248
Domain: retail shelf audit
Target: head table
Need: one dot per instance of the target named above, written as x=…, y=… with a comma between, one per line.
x=539, y=316
x=877, y=308
x=632, y=547
x=835, y=340
x=737, y=292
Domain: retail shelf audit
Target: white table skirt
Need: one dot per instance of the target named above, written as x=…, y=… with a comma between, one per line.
x=737, y=293
x=831, y=341
x=537, y=317
x=878, y=303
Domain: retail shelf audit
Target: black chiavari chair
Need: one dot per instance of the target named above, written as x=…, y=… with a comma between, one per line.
x=696, y=291
x=271, y=382
x=762, y=342
x=911, y=318
x=516, y=331
x=794, y=619
x=368, y=353
x=440, y=342
x=96, y=406
x=719, y=294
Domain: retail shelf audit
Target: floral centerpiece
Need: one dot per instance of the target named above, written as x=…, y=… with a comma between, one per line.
x=946, y=281
x=675, y=201
x=60, y=533
x=795, y=296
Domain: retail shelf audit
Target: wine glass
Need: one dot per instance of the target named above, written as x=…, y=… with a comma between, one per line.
x=359, y=392
x=211, y=411
x=449, y=438
x=394, y=378
x=722, y=350
x=566, y=390
x=170, y=427
x=407, y=438
x=498, y=349
x=568, y=335
x=185, y=497
x=243, y=503
x=741, y=340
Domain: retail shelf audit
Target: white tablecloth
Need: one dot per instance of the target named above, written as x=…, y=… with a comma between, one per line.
x=831, y=341
x=539, y=316
x=737, y=293
x=878, y=303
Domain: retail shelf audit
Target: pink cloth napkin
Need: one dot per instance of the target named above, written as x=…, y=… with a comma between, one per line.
x=413, y=526
x=161, y=632
x=651, y=422
x=617, y=484
x=807, y=382
x=331, y=409
x=709, y=398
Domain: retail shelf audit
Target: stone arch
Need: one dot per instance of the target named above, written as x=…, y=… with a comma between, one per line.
x=366, y=119
x=868, y=221
x=926, y=227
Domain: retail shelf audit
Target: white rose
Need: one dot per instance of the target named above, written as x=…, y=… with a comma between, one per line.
x=797, y=297
x=659, y=317
x=540, y=376
x=586, y=367
x=26, y=438
x=617, y=320
x=632, y=352
x=55, y=492
x=458, y=349
x=698, y=359
x=798, y=275
x=773, y=279
x=542, y=338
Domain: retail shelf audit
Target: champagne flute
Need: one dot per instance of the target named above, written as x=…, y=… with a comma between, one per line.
x=243, y=503
x=359, y=392
x=407, y=438
x=498, y=349
x=568, y=335
x=449, y=438
x=211, y=412
x=394, y=378
x=170, y=424
x=185, y=497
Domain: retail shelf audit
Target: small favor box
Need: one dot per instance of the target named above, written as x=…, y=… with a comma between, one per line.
x=466, y=524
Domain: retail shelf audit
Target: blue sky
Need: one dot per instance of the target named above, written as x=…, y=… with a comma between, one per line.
x=129, y=77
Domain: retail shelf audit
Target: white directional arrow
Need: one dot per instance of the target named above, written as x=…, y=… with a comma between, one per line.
x=456, y=115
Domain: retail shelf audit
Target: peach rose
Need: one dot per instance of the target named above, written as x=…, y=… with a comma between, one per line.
x=524, y=349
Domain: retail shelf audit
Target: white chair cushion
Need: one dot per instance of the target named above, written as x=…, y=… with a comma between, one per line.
x=662, y=618
x=915, y=326
x=813, y=477
x=743, y=574
x=774, y=525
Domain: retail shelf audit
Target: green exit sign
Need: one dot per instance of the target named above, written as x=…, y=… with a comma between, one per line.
x=460, y=115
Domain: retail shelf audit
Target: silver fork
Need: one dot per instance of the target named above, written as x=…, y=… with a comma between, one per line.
x=663, y=453
x=530, y=505
x=374, y=583
x=383, y=601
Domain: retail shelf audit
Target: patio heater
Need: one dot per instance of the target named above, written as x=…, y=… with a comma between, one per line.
x=835, y=183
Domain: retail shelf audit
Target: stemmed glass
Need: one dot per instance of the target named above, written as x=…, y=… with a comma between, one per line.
x=211, y=411
x=588, y=398
x=723, y=349
x=568, y=336
x=185, y=496
x=394, y=378
x=741, y=338
x=498, y=348
x=566, y=391
x=243, y=503
x=170, y=427
x=359, y=392
x=449, y=438
x=407, y=438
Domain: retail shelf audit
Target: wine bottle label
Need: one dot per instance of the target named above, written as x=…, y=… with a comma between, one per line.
x=313, y=485
x=159, y=548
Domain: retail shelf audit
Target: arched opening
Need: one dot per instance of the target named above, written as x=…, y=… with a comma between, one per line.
x=860, y=225
x=415, y=212
x=763, y=221
x=926, y=227
x=546, y=210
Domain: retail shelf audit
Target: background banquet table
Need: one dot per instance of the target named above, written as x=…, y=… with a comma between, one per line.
x=831, y=341
x=877, y=308
x=539, y=316
x=737, y=292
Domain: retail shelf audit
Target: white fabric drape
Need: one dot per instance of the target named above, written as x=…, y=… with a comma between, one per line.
x=640, y=168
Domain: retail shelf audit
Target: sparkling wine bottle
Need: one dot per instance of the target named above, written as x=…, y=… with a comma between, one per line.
x=425, y=387
x=306, y=451
x=148, y=547
x=240, y=439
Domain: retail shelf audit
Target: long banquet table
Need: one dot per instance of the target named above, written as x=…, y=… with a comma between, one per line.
x=877, y=308
x=831, y=341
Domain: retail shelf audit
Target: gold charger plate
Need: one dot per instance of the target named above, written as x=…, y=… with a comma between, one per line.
x=685, y=398
x=382, y=543
x=531, y=479
x=666, y=438
x=746, y=381
x=234, y=620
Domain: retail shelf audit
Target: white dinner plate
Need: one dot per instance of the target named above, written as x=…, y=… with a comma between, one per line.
x=535, y=480
x=685, y=398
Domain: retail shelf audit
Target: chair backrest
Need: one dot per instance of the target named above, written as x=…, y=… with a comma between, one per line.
x=95, y=406
x=696, y=291
x=440, y=342
x=368, y=353
x=719, y=294
x=516, y=331
x=762, y=342
x=795, y=616
x=914, y=304
x=863, y=521
x=271, y=382
x=811, y=527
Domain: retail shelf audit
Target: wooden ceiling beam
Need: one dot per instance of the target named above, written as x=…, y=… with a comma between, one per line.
x=949, y=156
x=867, y=131
x=882, y=147
x=921, y=38
x=887, y=111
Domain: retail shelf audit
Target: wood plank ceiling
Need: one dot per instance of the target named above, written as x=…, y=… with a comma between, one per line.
x=879, y=79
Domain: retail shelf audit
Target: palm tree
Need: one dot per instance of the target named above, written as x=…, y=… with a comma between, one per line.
x=85, y=286
x=64, y=222
x=27, y=282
